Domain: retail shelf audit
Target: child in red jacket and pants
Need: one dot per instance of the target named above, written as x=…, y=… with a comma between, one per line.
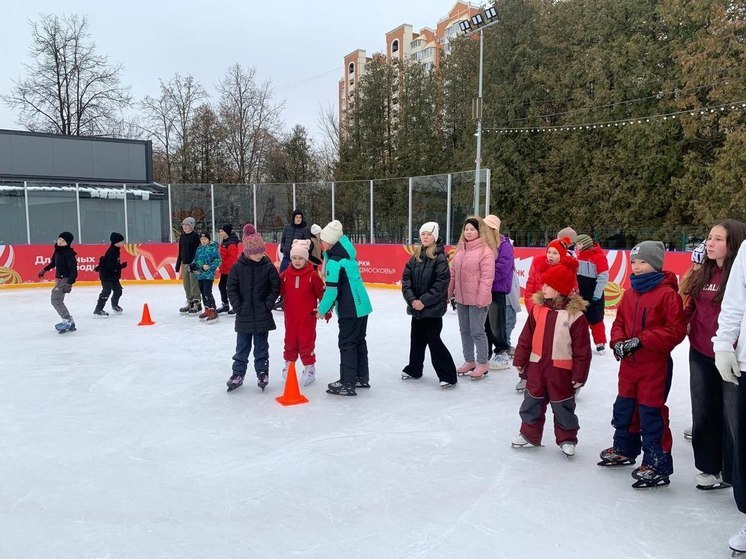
x=301, y=288
x=555, y=355
x=649, y=323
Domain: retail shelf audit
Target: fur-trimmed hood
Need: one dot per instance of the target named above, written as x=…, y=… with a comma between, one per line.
x=574, y=304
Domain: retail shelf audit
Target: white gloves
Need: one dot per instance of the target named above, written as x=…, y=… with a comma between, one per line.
x=727, y=366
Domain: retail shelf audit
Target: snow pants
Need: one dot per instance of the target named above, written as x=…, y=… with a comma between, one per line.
x=546, y=384
x=300, y=339
x=353, y=350
x=640, y=416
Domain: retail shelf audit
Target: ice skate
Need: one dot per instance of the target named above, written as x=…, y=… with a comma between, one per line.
x=520, y=385
x=500, y=361
x=480, y=371
x=212, y=316
x=185, y=309
x=611, y=458
x=204, y=314
x=234, y=382
x=600, y=349
x=708, y=482
x=688, y=433
x=737, y=543
x=519, y=441
x=308, y=375
x=446, y=385
x=362, y=383
x=195, y=308
x=339, y=388
x=100, y=313
x=406, y=376
x=285, y=370
x=279, y=304
x=568, y=449
x=647, y=477
x=262, y=380
x=116, y=308
x=466, y=368
x=67, y=325
x=222, y=309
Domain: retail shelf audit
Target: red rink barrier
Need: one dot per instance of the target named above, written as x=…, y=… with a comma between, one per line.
x=381, y=264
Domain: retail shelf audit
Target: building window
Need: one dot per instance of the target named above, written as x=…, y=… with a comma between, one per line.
x=352, y=68
x=395, y=46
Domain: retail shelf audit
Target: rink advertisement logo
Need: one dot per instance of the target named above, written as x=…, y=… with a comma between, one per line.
x=382, y=264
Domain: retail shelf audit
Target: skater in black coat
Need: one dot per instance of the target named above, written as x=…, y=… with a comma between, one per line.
x=66, y=266
x=253, y=287
x=297, y=229
x=110, y=272
x=425, y=287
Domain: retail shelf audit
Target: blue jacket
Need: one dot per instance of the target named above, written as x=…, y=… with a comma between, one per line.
x=206, y=254
x=344, y=285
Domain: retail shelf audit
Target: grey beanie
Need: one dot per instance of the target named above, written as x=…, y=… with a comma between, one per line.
x=651, y=252
x=189, y=221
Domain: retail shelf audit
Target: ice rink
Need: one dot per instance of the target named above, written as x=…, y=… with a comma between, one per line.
x=119, y=441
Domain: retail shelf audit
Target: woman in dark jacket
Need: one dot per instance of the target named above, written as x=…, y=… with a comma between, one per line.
x=297, y=229
x=425, y=286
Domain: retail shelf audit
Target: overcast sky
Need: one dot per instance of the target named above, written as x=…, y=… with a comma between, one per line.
x=299, y=46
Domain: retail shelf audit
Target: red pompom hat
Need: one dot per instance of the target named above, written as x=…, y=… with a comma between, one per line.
x=560, y=245
x=562, y=277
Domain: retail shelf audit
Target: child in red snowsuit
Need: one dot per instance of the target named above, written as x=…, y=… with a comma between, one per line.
x=554, y=353
x=649, y=323
x=301, y=288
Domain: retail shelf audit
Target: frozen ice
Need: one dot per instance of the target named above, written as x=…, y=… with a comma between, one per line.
x=119, y=441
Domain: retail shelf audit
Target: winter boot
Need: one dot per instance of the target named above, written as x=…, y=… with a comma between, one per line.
x=308, y=375
x=339, y=388
x=234, y=382
x=195, y=307
x=610, y=457
x=186, y=308
x=480, y=371
x=99, y=311
x=223, y=308
x=262, y=380
x=212, y=316
x=646, y=476
x=466, y=368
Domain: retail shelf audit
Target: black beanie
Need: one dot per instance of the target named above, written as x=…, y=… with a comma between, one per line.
x=473, y=222
x=205, y=234
x=116, y=238
x=67, y=236
x=228, y=228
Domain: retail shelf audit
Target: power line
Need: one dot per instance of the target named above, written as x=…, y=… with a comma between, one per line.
x=306, y=80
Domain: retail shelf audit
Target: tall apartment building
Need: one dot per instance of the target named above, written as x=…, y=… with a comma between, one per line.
x=402, y=44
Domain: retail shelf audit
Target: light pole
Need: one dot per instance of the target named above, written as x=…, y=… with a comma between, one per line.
x=478, y=23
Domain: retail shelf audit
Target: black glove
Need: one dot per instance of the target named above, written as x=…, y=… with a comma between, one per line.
x=453, y=303
x=193, y=268
x=626, y=348
x=97, y=268
x=123, y=266
x=41, y=273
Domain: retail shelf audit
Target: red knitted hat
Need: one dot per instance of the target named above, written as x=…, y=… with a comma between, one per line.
x=560, y=245
x=561, y=277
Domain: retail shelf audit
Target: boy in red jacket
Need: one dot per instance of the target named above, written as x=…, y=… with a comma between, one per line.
x=555, y=355
x=301, y=289
x=229, y=252
x=593, y=275
x=649, y=323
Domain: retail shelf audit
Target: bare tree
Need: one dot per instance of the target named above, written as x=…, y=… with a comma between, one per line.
x=184, y=94
x=158, y=123
x=328, y=150
x=69, y=88
x=250, y=119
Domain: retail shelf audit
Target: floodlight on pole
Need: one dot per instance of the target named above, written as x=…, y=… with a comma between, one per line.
x=490, y=13
x=477, y=20
x=464, y=26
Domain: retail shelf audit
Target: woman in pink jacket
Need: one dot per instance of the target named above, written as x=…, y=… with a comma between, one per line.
x=472, y=272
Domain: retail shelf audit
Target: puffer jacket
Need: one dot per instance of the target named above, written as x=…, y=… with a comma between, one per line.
x=656, y=318
x=504, y=266
x=427, y=281
x=228, y=253
x=253, y=288
x=344, y=284
x=291, y=231
x=472, y=273
x=206, y=255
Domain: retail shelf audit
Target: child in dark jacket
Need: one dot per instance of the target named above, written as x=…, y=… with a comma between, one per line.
x=649, y=323
x=593, y=275
x=188, y=243
x=228, y=255
x=345, y=291
x=554, y=353
x=66, y=272
x=110, y=272
x=424, y=285
x=253, y=287
x=205, y=265
x=301, y=288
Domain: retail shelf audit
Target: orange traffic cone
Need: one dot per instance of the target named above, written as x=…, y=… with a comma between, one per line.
x=292, y=394
x=145, y=320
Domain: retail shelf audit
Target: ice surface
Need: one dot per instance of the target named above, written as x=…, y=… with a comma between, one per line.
x=118, y=441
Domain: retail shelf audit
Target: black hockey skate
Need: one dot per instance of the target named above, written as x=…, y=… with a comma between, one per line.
x=611, y=458
x=647, y=477
x=262, y=380
x=362, y=383
x=116, y=308
x=234, y=382
x=341, y=389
